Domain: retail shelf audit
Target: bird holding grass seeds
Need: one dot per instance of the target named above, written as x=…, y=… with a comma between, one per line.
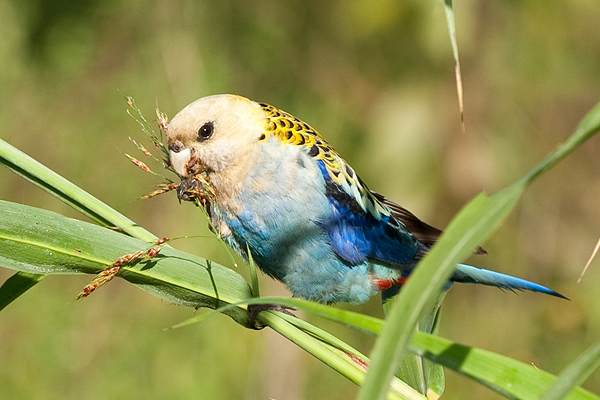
x=307, y=218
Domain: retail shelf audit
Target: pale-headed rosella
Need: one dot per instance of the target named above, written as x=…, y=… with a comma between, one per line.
x=307, y=218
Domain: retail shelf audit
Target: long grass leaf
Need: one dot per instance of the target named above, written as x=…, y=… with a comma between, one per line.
x=506, y=376
x=587, y=127
x=42, y=242
x=334, y=358
x=16, y=285
x=470, y=227
x=449, y=11
x=419, y=373
x=61, y=188
x=574, y=375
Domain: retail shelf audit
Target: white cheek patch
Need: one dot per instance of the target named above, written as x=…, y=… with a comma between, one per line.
x=180, y=160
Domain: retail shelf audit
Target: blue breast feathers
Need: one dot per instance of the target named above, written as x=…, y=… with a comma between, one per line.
x=357, y=235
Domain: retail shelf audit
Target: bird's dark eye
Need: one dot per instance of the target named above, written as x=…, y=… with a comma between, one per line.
x=205, y=131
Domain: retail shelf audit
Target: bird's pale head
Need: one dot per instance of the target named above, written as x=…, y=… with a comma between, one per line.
x=214, y=133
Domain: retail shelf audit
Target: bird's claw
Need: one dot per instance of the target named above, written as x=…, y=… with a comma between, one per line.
x=188, y=190
x=255, y=309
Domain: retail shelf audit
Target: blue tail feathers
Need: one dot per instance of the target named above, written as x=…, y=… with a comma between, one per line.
x=469, y=274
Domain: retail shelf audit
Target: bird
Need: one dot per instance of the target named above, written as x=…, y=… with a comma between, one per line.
x=285, y=197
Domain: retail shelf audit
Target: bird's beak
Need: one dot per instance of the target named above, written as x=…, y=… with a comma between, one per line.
x=180, y=160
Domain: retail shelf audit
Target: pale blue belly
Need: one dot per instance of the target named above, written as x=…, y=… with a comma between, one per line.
x=282, y=208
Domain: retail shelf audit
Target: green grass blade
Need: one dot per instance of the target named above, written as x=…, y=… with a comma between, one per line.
x=253, y=274
x=411, y=368
x=16, y=285
x=61, y=188
x=42, y=242
x=334, y=358
x=574, y=375
x=322, y=345
x=587, y=127
x=324, y=336
x=423, y=375
x=511, y=378
x=473, y=225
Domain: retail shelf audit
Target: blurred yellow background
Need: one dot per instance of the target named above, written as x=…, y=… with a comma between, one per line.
x=377, y=80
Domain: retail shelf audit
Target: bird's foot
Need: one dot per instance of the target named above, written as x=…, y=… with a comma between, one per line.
x=255, y=309
x=189, y=190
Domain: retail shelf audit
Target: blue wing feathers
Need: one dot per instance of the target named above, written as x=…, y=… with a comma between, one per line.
x=356, y=235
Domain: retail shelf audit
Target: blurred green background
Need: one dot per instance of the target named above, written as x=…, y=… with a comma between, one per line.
x=376, y=79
